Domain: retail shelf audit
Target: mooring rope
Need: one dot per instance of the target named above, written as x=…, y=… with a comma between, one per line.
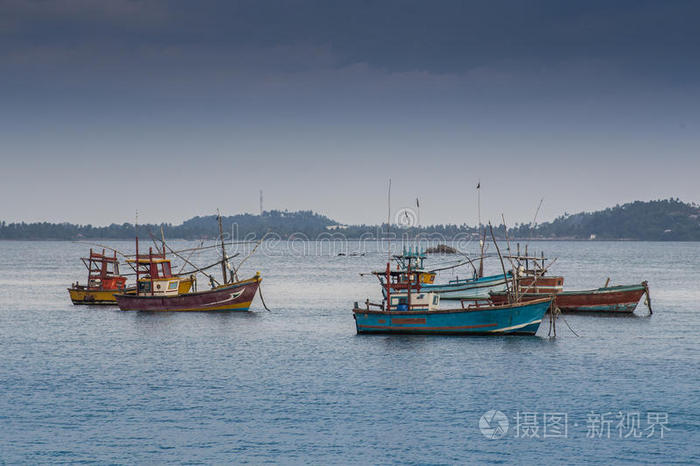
x=567, y=324
x=262, y=299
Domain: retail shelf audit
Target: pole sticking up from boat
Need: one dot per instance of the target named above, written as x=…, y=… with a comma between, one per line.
x=482, y=243
x=388, y=222
x=503, y=267
x=223, y=248
x=162, y=239
x=478, y=203
x=482, y=237
x=509, y=256
x=136, y=233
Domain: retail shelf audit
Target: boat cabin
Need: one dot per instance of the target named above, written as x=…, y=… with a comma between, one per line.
x=103, y=272
x=421, y=301
x=402, y=290
x=154, y=275
x=413, y=259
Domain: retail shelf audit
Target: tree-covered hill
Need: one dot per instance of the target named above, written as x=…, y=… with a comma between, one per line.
x=279, y=222
x=662, y=220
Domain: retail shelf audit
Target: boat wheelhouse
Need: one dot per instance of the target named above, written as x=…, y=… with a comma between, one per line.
x=103, y=280
x=154, y=275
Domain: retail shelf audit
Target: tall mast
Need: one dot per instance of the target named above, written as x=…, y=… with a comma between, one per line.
x=388, y=221
x=223, y=248
x=478, y=201
x=136, y=233
x=482, y=238
x=162, y=241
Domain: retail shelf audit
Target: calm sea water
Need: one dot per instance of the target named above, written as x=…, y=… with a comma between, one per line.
x=297, y=385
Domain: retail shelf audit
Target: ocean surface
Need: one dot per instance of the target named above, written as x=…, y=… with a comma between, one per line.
x=298, y=385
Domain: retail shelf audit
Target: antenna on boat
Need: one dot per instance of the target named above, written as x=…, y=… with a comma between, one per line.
x=223, y=247
x=388, y=221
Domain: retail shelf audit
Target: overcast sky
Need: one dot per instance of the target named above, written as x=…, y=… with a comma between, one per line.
x=175, y=108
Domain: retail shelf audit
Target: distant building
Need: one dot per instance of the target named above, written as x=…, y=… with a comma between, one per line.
x=592, y=237
x=336, y=227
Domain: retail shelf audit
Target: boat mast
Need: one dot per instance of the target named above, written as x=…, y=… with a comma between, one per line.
x=223, y=248
x=388, y=260
x=388, y=221
x=388, y=286
x=482, y=238
x=505, y=275
x=150, y=267
x=138, y=268
x=410, y=283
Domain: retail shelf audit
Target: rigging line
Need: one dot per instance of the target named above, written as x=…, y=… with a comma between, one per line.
x=217, y=245
x=533, y=224
x=101, y=246
x=189, y=256
x=153, y=238
x=197, y=269
x=236, y=269
x=201, y=269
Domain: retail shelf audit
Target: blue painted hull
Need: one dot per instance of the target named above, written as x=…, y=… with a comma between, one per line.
x=469, y=288
x=522, y=319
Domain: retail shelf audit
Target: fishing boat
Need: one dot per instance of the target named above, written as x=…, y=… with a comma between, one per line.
x=103, y=280
x=158, y=289
x=476, y=288
x=409, y=309
x=622, y=299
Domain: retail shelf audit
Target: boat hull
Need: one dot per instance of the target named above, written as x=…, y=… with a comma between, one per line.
x=517, y=319
x=469, y=288
x=81, y=295
x=615, y=299
x=232, y=297
x=93, y=297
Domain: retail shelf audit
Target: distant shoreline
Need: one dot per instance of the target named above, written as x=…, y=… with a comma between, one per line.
x=500, y=240
x=660, y=220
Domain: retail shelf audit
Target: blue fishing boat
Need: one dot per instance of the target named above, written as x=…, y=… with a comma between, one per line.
x=518, y=319
x=409, y=309
x=475, y=288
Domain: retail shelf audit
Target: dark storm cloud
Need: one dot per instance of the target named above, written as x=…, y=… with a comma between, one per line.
x=315, y=88
x=442, y=37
